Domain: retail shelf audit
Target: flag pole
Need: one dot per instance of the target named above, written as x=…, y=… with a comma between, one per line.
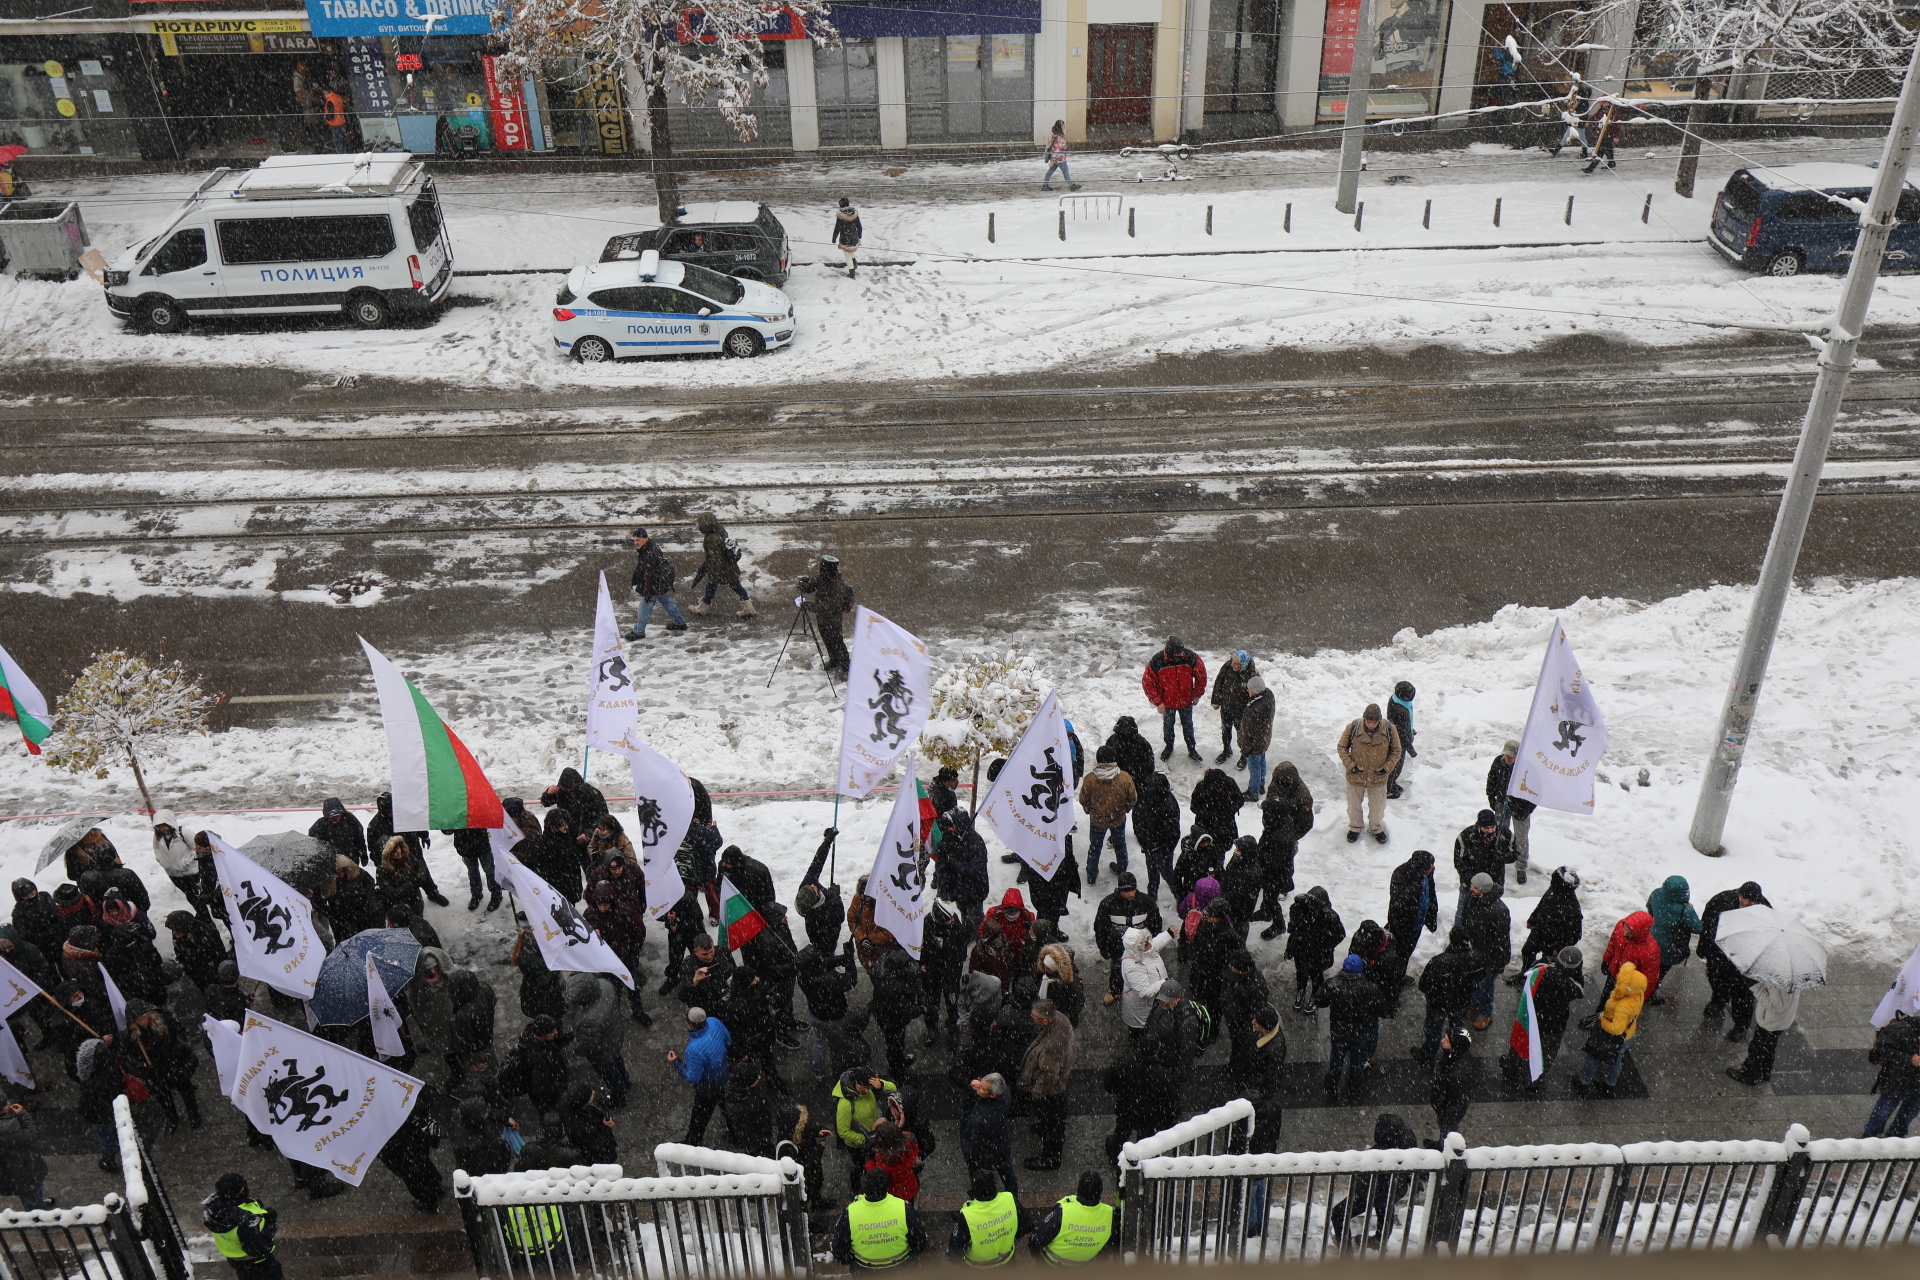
x=71, y=1014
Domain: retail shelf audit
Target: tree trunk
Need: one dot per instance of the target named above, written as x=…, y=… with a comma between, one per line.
x=973, y=798
x=1690, y=145
x=666, y=182
x=141, y=779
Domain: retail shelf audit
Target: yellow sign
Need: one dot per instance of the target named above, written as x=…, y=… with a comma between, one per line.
x=65, y=106
x=223, y=26
x=54, y=69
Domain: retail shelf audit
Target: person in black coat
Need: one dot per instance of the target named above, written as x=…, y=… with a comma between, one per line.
x=1199, y=859
x=556, y=858
x=1049, y=897
x=36, y=919
x=409, y=1154
x=1354, y=1004
x=380, y=830
x=1447, y=982
x=585, y=803
x=470, y=1049
x=1313, y=933
x=1123, y=909
x=1515, y=814
x=943, y=962
x=1413, y=903
x=154, y=1052
x=1265, y=1079
x=1146, y=1099
x=340, y=830
x=1216, y=804
x=589, y=1129
x=1489, y=927
x=1156, y=825
x=477, y=1146
x=819, y=904
x=1214, y=943
x=748, y=1107
x=1131, y=751
x=1556, y=922
x=1284, y=818
x=1562, y=985
x=1450, y=1089
x=941, y=791
x=896, y=1006
x=1729, y=986
x=1243, y=994
x=750, y=876
x=197, y=948
x=1480, y=847
x=535, y=1067
x=476, y=851
x=961, y=873
x=1241, y=879
x=1400, y=716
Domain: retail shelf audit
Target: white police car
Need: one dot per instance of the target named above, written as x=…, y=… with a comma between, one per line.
x=642, y=306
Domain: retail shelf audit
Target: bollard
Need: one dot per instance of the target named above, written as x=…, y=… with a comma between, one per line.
x=1569, y=218
x=1646, y=208
x=1209, y=219
x=1286, y=223
x=1359, y=210
x=989, y=227
x=1063, y=224
x=1426, y=217
x=1496, y=215
x=1129, y=222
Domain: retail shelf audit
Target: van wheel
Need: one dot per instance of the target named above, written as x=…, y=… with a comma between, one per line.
x=744, y=343
x=1786, y=263
x=593, y=351
x=368, y=310
x=160, y=315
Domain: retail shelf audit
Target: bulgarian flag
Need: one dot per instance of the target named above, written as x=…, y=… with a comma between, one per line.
x=437, y=784
x=927, y=816
x=742, y=921
x=1525, y=1038
x=21, y=701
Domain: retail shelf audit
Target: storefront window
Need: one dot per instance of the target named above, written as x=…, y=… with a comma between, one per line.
x=1241, y=39
x=969, y=88
x=1548, y=34
x=1407, y=43
x=702, y=127
x=65, y=105
x=847, y=83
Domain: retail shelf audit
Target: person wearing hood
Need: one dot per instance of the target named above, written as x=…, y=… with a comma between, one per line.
x=1674, y=925
x=408, y=1155
x=1107, y=796
x=1193, y=911
x=1367, y=1217
x=470, y=1051
x=1557, y=921
x=380, y=833
x=1384, y=966
x=720, y=568
x=1241, y=879
x=846, y=236
x=748, y=1106
x=355, y=903
x=128, y=952
x=1619, y=1019
x=33, y=963
x=226, y=1002
x=1054, y=978
x=896, y=1006
x=1632, y=942
x=395, y=884
x=1016, y=922
x=36, y=919
x=1131, y=751
x=556, y=858
x=1369, y=750
x=750, y=876
x=154, y=1052
x=831, y=604
x=1489, y=927
x=1557, y=984
x=1124, y=909
x=1229, y=698
x=617, y=908
x=589, y=1129
x=1400, y=716
x=1050, y=896
x=1216, y=802
x=197, y=948
x=960, y=873
x=429, y=1008
x=1447, y=982
x=1516, y=815
x=1450, y=1087
x=1156, y=825
x=242, y=1228
x=536, y=1066
x=1413, y=903
x=23, y=1167
x=943, y=966
x=1728, y=985
x=97, y=1070
x=91, y=852
x=870, y=940
x=476, y=851
x=1173, y=681
x=1046, y=1073
x=1214, y=943
x=1313, y=933
x=1142, y=971
x=174, y=852
x=336, y=828
x=1200, y=859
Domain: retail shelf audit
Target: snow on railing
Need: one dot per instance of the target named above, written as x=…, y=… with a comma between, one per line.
x=677, y=1159
x=528, y=1189
x=132, y=1168
x=87, y=1215
x=1859, y=1193
x=1215, y=1126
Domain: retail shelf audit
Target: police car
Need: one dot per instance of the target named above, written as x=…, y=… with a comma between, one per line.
x=641, y=306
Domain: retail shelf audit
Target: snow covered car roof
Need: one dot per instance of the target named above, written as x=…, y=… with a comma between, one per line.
x=718, y=211
x=598, y=275
x=1818, y=175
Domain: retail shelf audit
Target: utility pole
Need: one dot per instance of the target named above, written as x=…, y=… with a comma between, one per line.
x=1790, y=526
x=1353, y=134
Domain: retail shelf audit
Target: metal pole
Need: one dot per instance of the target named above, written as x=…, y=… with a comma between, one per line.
x=1790, y=526
x=1359, y=86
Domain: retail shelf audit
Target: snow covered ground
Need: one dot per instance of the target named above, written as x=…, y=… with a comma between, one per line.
x=1822, y=818
x=954, y=305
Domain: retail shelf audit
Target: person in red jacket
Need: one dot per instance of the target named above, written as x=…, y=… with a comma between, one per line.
x=1174, y=680
x=1633, y=941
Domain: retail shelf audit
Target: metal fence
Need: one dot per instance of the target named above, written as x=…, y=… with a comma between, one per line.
x=592, y=1220
x=1193, y=1205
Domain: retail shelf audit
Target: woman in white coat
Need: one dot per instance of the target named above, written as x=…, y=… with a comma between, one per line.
x=1141, y=973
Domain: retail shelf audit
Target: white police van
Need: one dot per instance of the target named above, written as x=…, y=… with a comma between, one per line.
x=639, y=305
x=298, y=235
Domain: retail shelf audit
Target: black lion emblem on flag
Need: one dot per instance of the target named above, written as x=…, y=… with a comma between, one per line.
x=266, y=919
x=613, y=674
x=569, y=923
x=652, y=825
x=1049, y=789
x=291, y=1094
x=1570, y=739
x=890, y=708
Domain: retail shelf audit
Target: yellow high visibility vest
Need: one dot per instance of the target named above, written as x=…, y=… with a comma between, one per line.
x=878, y=1230
x=533, y=1230
x=991, y=1228
x=228, y=1242
x=1084, y=1231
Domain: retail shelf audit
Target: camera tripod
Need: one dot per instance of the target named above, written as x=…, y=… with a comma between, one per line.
x=803, y=622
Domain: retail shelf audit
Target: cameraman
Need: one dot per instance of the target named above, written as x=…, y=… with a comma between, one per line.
x=829, y=598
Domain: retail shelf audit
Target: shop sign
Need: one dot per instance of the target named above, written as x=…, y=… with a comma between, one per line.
x=603, y=98
x=224, y=26
x=400, y=17
x=509, y=121
x=367, y=74
x=174, y=44
x=772, y=24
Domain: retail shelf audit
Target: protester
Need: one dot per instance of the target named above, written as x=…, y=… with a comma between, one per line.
x=1896, y=1051
x=704, y=1067
x=1606, y=1045
x=1556, y=985
x=1730, y=989
x=1256, y=735
x=1775, y=1008
x=1286, y=815
x=1369, y=751
x=1480, y=850
x=1400, y=716
x=1156, y=825
x=1632, y=943
x=1450, y=1089
x=1312, y=934
x=1354, y=1004
x=985, y=1138
x=23, y=1165
x=1413, y=903
x=1515, y=815
x=1447, y=982
x=1489, y=929
x=1229, y=698
x=1173, y=681
x=1107, y=796
x=1045, y=1074
x=1557, y=922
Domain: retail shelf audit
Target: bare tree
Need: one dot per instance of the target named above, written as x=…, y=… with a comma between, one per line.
x=588, y=40
x=120, y=706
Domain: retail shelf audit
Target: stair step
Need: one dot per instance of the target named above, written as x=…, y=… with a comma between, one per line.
x=339, y=1248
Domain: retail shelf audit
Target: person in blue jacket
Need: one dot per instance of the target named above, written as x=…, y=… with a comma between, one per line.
x=704, y=1067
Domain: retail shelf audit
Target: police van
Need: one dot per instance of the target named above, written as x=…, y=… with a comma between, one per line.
x=299, y=235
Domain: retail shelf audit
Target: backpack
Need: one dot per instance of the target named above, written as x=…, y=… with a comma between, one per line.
x=1190, y=925
x=732, y=550
x=1209, y=1030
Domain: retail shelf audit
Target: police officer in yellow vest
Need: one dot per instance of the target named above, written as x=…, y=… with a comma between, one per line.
x=985, y=1228
x=242, y=1229
x=1078, y=1229
x=878, y=1230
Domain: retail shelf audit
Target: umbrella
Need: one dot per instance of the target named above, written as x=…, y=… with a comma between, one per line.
x=340, y=995
x=1768, y=947
x=67, y=837
x=294, y=856
x=9, y=154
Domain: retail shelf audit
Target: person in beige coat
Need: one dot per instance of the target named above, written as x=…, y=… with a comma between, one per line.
x=1107, y=796
x=1368, y=749
x=1045, y=1074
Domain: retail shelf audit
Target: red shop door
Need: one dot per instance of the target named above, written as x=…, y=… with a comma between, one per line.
x=1119, y=75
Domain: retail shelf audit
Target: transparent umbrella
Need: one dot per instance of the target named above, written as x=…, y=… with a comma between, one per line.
x=67, y=837
x=1768, y=947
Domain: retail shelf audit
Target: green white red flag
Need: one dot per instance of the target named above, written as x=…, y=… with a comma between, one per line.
x=742, y=921
x=21, y=702
x=927, y=819
x=437, y=784
x=1524, y=1040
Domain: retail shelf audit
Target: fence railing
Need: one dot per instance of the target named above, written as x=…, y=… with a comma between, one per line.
x=152, y=1210
x=593, y=1220
x=1194, y=1205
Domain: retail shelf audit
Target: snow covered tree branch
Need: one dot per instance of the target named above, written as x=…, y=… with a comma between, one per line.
x=980, y=709
x=122, y=705
x=586, y=40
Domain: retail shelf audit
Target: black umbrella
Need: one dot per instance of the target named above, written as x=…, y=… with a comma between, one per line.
x=294, y=856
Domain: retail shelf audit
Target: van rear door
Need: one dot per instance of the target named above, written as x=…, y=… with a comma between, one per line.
x=431, y=243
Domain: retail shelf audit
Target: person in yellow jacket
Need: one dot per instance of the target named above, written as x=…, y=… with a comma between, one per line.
x=878, y=1231
x=985, y=1229
x=1078, y=1229
x=857, y=1100
x=1607, y=1041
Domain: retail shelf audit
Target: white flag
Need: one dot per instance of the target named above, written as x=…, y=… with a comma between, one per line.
x=274, y=938
x=1030, y=806
x=889, y=696
x=223, y=1037
x=613, y=716
x=896, y=884
x=13, y=1062
x=567, y=943
x=663, y=810
x=1903, y=996
x=16, y=989
x=1565, y=735
x=115, y=1001
x=321, y=1104
x=383, y=1016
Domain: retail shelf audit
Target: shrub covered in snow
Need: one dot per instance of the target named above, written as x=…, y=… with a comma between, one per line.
x=120, y=706
x=981, y=708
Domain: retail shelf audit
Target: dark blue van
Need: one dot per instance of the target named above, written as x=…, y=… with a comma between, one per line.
x=1782, y=221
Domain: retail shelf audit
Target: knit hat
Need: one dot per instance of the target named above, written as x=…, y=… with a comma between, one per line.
x=1267, y=1016
x=1482, y=882
x=230, y=1184
x=1751, y=891
x=639, y=533
x=1404, y=691
x=1128, y=880
x=1353, y=964
x=1242, y=655
x=228, y=972
x=1173, y=642
x=1486, y=818
x=1570, y=958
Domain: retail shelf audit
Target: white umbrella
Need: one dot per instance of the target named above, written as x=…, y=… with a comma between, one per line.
x=1768, y=947
x=67, y=837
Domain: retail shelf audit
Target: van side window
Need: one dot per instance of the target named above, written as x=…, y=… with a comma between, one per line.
x=186, y=250
x=317, y=239
x=734, y=242
x=1811, y=206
